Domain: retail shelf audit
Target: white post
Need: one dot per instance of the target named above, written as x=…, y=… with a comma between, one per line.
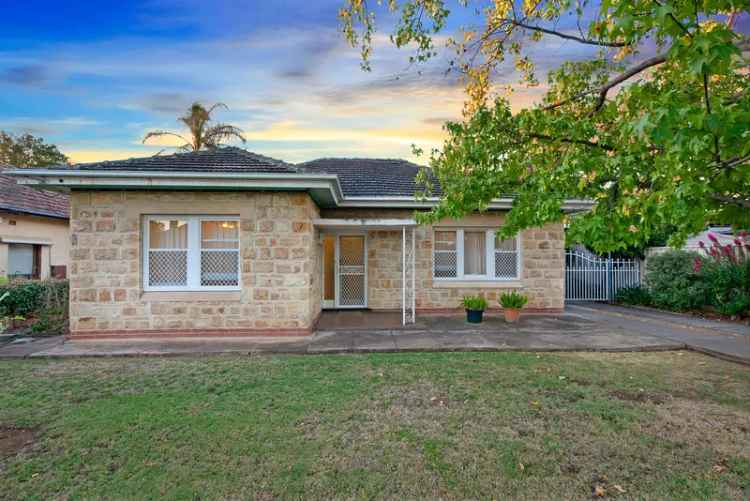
x=413, y=276
x=403, y=275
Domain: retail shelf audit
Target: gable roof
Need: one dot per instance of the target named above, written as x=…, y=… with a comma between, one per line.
x=373, y=177
x=27, y=200
x=226, y=159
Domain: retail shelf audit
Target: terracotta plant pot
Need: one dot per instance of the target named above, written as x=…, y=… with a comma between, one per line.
x=511, y=314
x=474, y=316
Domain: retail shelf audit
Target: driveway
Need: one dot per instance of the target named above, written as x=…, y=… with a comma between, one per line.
x=728, y=340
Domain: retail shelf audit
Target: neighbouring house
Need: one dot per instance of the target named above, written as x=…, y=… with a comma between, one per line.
x=34, y=231
x=724, y=235
x=228, y=242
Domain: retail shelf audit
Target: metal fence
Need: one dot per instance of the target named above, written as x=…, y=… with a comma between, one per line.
x=592, y=278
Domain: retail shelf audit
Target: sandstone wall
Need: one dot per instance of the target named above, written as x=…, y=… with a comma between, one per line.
x=542, y=270
x=277, y=250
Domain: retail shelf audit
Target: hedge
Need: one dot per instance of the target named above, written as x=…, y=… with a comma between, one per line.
x=46, y=302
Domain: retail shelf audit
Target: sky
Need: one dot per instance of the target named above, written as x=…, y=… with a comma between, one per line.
x=94, y=81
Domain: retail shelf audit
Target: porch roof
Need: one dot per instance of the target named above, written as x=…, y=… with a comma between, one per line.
x=370, y=224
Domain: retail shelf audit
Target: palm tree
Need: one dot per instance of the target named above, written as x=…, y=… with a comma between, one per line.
x=204, y=135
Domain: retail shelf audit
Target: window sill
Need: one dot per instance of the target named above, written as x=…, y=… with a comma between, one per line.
x=476, y=284
x=193, y=296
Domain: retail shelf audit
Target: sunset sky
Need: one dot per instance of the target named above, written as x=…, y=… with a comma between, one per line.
x=94, y=81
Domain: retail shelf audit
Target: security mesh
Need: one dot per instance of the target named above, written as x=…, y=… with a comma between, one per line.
x=505, y=264
x=351, y=271
x=167, y=268
x=352, y=291
x=445, y=264
x=219, y=268
x=352, y=251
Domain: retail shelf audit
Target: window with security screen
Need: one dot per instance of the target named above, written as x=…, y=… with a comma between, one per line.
x=191, y=253
x=474, y=254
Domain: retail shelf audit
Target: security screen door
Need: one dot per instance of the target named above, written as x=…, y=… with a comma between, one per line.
x=351, y=283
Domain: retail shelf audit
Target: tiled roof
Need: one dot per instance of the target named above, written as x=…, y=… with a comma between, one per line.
x=363, y=177
x=359, y=177
x=226, y=159
x=24, y=199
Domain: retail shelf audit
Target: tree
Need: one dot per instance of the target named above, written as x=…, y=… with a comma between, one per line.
x=202, y=134
x=25, y=150
x=653, y=127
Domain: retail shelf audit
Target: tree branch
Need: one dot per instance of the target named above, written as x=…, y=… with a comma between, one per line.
x=741, y=202
x=602, y=91
x=560, y=34
x=545, y=137
x=733, y=162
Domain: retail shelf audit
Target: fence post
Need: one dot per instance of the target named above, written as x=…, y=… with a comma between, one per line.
x=610, y=277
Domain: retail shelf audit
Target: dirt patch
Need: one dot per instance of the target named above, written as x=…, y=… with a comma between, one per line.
x=13, y=439
x=640, y=396
x=700, y=423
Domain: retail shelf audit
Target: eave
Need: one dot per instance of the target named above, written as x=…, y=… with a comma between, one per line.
x=324, y=189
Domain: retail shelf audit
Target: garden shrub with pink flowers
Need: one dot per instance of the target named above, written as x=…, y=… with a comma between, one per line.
x=717, y=278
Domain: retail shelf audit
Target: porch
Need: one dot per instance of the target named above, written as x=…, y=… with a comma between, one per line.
x=346, y=267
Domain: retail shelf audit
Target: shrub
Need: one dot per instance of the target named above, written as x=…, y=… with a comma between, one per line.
x=513, y=300
x=725, y=270
x=477, y=303
x=46, y=301
x=674, y=282
x=637, y=295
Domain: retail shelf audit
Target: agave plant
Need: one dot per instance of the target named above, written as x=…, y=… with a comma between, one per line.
x=203, y=134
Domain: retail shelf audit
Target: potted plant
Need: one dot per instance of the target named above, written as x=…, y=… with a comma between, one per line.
x=512, y=302
x=475, y=306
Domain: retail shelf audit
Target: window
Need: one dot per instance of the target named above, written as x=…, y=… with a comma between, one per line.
x=191, y=253
x=475, y=254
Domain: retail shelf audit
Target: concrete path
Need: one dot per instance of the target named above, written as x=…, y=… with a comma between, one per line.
x=564, y=332
x=729, y=340
x=583, y=327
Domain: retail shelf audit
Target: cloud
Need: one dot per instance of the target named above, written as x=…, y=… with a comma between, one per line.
x=27, y=75
x=46, y=126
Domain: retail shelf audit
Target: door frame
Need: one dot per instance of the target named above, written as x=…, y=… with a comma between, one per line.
x=337, y=234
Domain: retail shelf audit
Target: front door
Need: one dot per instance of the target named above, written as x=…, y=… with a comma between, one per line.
x=344, y=271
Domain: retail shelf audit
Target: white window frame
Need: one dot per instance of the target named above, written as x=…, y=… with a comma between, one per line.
x=193, y=254
x=489, y=257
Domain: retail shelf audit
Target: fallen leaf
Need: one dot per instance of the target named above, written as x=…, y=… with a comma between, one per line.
x=599, y=491
x=535, y=403
x=560, y=377
x=619, y=488
x=521, y=466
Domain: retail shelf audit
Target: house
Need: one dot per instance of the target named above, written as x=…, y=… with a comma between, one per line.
x=34, y=240
x=228, y=242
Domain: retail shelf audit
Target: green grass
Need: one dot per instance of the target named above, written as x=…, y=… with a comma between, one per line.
x=451, y=425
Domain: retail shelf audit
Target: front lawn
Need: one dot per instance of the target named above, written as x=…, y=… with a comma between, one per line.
x=450, y=425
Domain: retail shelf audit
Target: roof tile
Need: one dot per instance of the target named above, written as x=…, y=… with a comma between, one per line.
x=27, y=200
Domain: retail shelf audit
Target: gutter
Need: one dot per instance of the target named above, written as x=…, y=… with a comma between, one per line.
x=318, y=182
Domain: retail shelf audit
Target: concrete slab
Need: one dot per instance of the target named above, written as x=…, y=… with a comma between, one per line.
x=576, y=330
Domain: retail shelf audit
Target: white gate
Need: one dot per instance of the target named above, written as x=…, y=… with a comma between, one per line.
x=592, y=278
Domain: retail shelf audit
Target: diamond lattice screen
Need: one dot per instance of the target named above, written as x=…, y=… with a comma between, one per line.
x=351, y=271
x=505, y=264
x=219, y=268
x=445, y=264
x=445, y=255
x=167, y=268
x=352, y=292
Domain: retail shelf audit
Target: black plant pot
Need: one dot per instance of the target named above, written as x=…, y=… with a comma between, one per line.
x=474, y=316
